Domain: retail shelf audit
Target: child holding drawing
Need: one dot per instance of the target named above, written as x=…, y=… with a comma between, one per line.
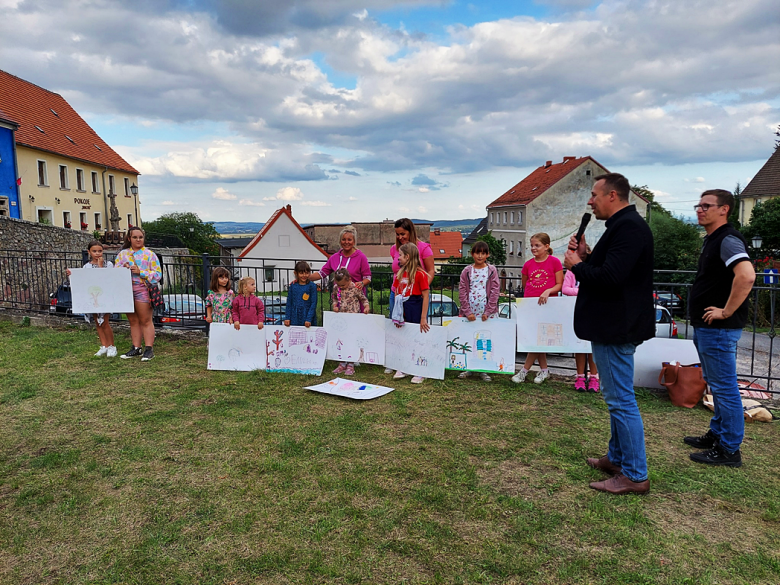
x=301, y=306
x=104, y=331
x=542, y=277
x=247, y=308
x=348, y=298
x=478, y=290
x=412, y=294
x=219, y=301
x=570, y=288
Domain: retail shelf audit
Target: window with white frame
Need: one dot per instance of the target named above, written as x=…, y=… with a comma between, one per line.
x=127, y=187
x=129, y=220
x=491, y=217
x=95, y=183
x=83, y=220
x=505, y=217
x=519, y=217
x=43, y=179
x=511, y=250
x=66, y=219
x=269, y=273
x=111, y=185
x=63, y=177
x=519, y=248
x=80, y=180
x=98, y=222
x=511, y=217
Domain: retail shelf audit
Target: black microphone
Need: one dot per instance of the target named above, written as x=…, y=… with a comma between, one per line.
x=583, y=225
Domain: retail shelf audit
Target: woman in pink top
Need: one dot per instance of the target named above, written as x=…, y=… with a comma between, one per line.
x=348, y=257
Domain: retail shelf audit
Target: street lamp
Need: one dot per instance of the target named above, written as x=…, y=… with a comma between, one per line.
x=757, y=240
x=134, y=191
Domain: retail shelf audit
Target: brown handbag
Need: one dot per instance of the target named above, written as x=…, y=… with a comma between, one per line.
x=685, y=384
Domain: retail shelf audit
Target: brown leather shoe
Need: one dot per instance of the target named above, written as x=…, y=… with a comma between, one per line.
x=620, y=484
x=604, y=464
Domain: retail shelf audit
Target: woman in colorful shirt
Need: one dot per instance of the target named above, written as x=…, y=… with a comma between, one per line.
x=348, y=257
x=145, y=268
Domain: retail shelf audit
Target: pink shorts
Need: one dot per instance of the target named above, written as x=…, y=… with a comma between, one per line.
x=140, y=292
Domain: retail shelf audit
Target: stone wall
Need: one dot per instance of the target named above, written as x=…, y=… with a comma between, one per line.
x=19, y=234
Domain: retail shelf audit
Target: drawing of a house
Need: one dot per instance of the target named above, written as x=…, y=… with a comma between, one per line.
x=484, y=345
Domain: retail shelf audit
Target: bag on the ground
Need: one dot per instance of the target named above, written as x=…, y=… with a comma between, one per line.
x=685, y=384
x=155, y=296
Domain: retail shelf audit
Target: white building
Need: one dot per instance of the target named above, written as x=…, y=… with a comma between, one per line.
x=271, y=255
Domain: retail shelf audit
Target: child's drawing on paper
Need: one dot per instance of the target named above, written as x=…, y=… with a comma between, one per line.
x=94, y=293
x=549, y=334
x=481, y=346
x=355, y=337
x=243, y=350
x=296, y=350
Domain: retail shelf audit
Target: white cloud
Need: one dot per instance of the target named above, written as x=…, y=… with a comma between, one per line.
x=353, y=199
x=250, y=203
x=699, y=179
x=404, y=209
x=223, y=194
x=167, y=203
x=422, y=209
x=423, y=189
x=315, y=203
x=289, y=194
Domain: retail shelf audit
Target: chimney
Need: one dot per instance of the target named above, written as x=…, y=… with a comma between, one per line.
x=547, y=164
x=437, y=231
x=568, y=158
x=289, y=208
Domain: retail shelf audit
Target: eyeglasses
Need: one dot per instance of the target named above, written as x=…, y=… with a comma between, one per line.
x=705, y=207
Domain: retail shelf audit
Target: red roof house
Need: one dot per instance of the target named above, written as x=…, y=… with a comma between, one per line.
x=446, y=244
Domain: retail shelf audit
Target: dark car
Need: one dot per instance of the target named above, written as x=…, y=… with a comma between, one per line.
x=274, y=309
x=185, y=311
x=60, y=301
x=670, y=300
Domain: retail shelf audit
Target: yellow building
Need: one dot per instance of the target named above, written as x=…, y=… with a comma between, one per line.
x=763, y=187
x=69, y=176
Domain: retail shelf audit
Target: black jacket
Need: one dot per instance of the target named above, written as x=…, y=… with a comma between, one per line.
x=615, y=301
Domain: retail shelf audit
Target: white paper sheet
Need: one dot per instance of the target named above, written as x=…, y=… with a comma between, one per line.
x=351, y=389
x=101, y=290
x=548, y=328
x=652, y=353
x=481, y=346
x=242, y=350
x=413, y=352
x=296, y=350
x=354, y=337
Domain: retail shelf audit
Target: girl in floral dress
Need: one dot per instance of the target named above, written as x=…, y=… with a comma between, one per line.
x=219, y=300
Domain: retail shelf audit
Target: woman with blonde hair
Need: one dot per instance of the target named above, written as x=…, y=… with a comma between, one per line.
x=348, y=257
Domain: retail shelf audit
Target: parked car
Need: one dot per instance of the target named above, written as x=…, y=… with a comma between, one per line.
x=274, y=309
x=60, y=301
x=185, y=311
x=507, y=311
x=665, y=325
x=440, y=306
x=670, y=300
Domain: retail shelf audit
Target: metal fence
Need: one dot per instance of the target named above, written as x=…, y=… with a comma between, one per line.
x=36, y=281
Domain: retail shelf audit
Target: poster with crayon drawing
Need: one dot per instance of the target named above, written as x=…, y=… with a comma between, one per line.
x=354, y=337
x=350, y=389
x=548, y=328
x=108, y=290
x=241, y=351
x=413, y=352
x=481, y=346
x=296, y=350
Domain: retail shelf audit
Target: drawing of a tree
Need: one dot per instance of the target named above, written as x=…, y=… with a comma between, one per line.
x=465, y=347
x=453, y=343
x=278, y=338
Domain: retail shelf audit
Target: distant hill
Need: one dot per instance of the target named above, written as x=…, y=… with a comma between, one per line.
x=465, y=226
x=237, y=227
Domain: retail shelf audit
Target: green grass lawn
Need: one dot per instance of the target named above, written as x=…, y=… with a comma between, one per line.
x=116, y=471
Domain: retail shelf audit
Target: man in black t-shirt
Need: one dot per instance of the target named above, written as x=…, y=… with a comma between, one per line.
x=719, y=310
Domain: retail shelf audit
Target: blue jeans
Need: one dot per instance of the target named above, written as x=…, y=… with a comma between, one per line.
x=718, y=354
x=390, y=303
x=627, y=440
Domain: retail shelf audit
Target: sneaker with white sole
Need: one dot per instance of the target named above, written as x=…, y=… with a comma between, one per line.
x=389, y=370
x=519, y=376
x=148, y=354
x=418, y=380
x=102, y=351
x=484, y=377
x=464, y=375
x=134, y=352
x=111, y=351
x=398, y=375
x=541, y=376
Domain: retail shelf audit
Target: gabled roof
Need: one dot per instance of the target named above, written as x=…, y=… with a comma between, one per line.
x=480, y=230
x=277, y=214
x=446, y=244
x=766, y=183
x=542, y=179
x=46, y=122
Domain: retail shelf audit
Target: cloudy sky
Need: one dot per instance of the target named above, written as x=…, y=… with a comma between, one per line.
x=371, y=109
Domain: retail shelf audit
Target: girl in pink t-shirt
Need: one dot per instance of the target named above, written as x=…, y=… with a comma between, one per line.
x=542, y=277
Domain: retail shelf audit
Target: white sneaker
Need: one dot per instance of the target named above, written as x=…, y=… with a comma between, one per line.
x=389, y=370
x=519, y=377
x=111, y=351
x=398, y=375
x=484, y=376
x=418, y=380
x=541, y=376
x=102, y=351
